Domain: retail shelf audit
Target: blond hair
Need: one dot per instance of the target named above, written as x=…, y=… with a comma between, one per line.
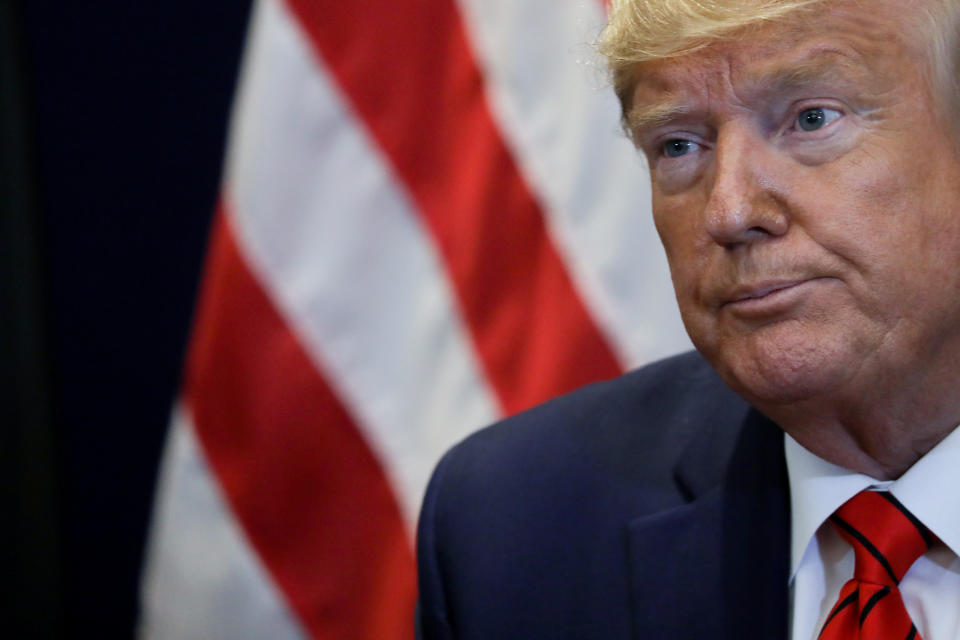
x=646, y=30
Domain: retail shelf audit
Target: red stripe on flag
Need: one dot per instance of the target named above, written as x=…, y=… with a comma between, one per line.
x=407, y=69
x=312, y=498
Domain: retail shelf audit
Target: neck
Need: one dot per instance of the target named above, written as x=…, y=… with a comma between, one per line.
x=875, y=436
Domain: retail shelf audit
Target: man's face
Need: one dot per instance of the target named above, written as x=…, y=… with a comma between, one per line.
x=808, y=197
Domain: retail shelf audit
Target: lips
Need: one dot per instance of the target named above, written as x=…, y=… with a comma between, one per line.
x=752, y=292
x=768, y=299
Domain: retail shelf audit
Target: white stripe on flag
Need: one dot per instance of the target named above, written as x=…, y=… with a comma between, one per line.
x=202, y=580
x=340, y=250
x=546, y=88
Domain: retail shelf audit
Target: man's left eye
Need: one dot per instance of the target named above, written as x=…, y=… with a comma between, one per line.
x=816, y=118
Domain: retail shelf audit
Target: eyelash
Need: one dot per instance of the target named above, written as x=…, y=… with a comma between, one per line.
x=665, y=146
x=830, y=118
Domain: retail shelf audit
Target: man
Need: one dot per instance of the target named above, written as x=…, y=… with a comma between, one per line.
x=806, y=187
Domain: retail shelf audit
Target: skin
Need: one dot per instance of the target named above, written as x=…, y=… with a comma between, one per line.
x=817, y=270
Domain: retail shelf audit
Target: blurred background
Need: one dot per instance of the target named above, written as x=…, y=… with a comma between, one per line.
x=113, y=118
x=483, y=127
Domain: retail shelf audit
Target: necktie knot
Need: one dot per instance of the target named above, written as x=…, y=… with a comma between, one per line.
x=887, y=539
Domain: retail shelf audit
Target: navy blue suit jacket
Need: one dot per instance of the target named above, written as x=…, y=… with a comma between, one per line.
x=651, y=506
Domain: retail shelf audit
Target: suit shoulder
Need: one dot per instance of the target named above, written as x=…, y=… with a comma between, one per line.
x=656, y=404
x=516, y=508
x=628, y=432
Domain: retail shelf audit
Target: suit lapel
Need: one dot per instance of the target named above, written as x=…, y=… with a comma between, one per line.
x=717, y=566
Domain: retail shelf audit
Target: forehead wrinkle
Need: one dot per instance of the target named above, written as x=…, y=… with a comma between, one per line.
x=812, y=67
x=665, y=92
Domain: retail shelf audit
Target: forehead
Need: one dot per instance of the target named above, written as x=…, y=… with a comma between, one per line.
x=871, y=43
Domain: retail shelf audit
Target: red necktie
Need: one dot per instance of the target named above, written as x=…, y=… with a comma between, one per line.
x=886, y=540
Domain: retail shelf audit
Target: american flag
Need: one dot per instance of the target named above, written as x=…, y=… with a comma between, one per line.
x=429, y=219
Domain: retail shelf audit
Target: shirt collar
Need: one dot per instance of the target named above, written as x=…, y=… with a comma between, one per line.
x=928, y=490
x=818, y=488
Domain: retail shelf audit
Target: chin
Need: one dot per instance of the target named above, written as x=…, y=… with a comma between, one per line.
x=775, y=368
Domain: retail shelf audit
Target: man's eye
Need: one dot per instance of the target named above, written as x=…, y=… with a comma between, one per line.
x=816, y=118
x=677, y=147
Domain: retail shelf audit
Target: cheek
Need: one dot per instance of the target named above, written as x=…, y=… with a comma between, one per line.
x=864, y=212
x=888, y=217
x=678, y=238
x=675, y=218
x=687, y=255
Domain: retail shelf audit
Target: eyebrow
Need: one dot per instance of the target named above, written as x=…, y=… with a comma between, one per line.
x=817, y=64
x=653, y=114
x=811, y=69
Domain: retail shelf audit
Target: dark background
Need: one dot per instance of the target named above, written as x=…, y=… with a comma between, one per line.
x=113, y=119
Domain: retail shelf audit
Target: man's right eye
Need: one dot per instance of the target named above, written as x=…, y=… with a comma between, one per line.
x=678, y=147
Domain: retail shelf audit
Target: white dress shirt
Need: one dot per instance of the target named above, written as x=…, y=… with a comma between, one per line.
x=821, y=561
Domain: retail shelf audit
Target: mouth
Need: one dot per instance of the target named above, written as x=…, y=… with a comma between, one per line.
x=769, y=297
x=756, y=292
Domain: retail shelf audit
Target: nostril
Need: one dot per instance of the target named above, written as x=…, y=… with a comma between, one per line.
x=745, y=223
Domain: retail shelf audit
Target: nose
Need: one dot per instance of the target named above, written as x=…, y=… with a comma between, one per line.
x=745, y=203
